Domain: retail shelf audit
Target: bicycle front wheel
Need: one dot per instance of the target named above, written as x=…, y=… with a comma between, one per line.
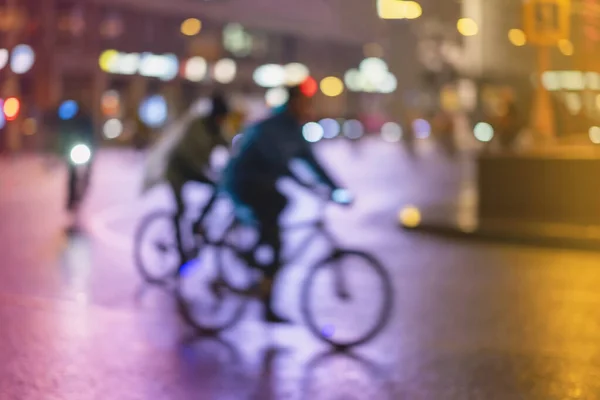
x=347, y=298
x=155, y=247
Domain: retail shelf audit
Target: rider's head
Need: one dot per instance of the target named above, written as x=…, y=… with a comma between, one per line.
x=220, y=108
x=299, y=105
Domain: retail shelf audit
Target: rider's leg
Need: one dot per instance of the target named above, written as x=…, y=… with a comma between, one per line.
x=268, y=214
x=72, y=187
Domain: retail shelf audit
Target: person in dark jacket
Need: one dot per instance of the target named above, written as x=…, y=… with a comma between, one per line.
x=263, y=157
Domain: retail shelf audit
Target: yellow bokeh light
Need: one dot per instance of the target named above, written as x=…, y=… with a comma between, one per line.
x=332, y=86
x=566, y=47
x=594, y=134
x=108, y=59
x=191, y=27
x=410, y=217
x=398, y=9
x=467, y=27
x=517, y=37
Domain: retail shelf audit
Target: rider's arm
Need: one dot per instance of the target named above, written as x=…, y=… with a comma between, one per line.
x=308, y=156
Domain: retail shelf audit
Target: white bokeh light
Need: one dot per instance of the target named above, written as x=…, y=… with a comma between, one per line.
x=388, y=84
x=269, y=76
x=22, y=59
x=391, y=132
x=353, y=80
x=276, y=97
x=374, y=70
x=195, y=69
x=353, y=129
x=295, y=73
x=312, y=132
x=113, y=128
x=225, y=70
x=331, y=128
x=483, y=132
x=3, y=58
x=80, y=154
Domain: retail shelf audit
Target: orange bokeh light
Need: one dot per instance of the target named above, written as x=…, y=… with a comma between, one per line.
x=12, y=106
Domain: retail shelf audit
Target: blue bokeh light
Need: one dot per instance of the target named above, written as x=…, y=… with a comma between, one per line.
x=68, y=109
x=2, y=117
x=153, y=111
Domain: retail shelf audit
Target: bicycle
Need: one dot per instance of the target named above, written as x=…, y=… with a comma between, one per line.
x=222, y=288
x=163, y=246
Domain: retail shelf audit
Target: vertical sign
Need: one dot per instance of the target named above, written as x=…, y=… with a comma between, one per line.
x=547, y=21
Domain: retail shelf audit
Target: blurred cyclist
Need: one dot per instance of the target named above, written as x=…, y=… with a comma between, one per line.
x=189, y=160
x=263, y=158
x=74, y=125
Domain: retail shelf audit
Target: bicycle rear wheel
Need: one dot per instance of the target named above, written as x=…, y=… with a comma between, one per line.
x=347, y=298
x=155, y=247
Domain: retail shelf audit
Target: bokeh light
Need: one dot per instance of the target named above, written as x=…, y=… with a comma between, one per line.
x=2, y=116
x=331, y=128
x=11, y=108
x=594, y=133
x=112, y=129
x=236, y=40
x=353, y=129
x=191, y=27
x=467, y=27
x=111, y=103
x=483, y=132
x=3, y=58
x=68, y=109
x=391, y=132
x=309, y=87
x=374, y=70
x=80, y=154
x=517, y=37
x=225, y=70
x=354, y=80
x=398, y=9
x=276, y=97
x=410, y=217
x=389, y=84
x=195, y=69
x=295, y=73
x=332, y=86
x=153, y=111
x=566, y=47
x=108, y=60
x=22, y=59
x=312, y=132
x=269, y=75
x=421, y=128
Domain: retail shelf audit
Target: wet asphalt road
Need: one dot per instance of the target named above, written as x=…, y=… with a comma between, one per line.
x=470, y=321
